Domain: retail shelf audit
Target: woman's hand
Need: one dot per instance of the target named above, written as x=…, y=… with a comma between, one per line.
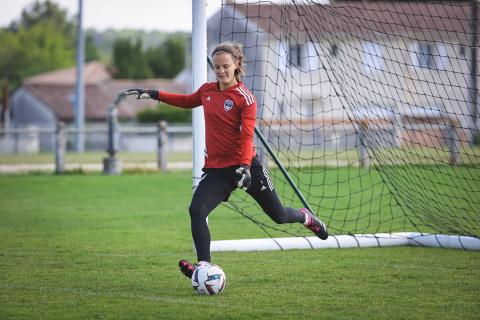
x=245, y=178
x=142, y=93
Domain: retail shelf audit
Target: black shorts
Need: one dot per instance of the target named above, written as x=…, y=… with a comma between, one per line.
x=225, y=179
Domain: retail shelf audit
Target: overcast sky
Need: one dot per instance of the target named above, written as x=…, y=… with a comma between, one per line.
x=162, y=15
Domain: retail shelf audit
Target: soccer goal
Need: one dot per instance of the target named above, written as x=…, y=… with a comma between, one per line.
x=372, y=109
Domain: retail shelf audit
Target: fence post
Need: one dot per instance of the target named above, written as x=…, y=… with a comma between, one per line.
x=111, y=164
x=162, y=143
x=452, y=142
x=60, y=141
x=362, y=146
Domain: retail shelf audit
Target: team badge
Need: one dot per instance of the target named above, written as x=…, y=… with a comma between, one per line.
x=228, y=105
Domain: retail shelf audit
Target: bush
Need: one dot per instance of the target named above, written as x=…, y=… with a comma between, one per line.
x=165, y=112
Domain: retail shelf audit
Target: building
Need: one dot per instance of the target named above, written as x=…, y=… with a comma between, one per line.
x=399, y=64
x=45, y=99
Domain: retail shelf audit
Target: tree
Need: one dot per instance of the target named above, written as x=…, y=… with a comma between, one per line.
x=129, y=61
x=167, y=59
x=31, y=51
x=40, y=12
x=41, y=40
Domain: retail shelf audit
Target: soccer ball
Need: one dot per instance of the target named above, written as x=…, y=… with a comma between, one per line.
x=208, y=279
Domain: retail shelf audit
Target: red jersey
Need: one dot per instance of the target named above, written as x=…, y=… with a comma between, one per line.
x=229, y=122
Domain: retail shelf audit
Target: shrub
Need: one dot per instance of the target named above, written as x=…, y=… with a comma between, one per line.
x=165, y=112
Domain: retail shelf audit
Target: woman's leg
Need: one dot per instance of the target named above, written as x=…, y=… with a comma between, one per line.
x=210, y=192
x=264, y=194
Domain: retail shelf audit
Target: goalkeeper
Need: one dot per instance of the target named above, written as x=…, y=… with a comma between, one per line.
x=230, y=158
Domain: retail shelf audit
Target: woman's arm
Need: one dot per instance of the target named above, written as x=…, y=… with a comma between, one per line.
x=187, y=101
x=179, y=100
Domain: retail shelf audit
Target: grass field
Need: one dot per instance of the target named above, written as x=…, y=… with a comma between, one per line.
x=95, y=247
x=411, y=155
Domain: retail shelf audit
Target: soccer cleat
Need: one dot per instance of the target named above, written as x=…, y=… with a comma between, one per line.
x=186, y=268
x=314, y=224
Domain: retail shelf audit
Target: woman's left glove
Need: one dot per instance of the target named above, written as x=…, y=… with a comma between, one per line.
x=245, y=178
x=143, y=93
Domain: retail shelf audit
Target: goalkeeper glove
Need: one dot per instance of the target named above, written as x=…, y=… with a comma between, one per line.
x=245, y=178
x=143, y=93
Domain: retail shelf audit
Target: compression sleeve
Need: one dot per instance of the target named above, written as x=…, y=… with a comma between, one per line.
x=249, y=114
x=186, y=101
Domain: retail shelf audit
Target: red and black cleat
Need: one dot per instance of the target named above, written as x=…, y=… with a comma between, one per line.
x=186, y=268
x=314, y=224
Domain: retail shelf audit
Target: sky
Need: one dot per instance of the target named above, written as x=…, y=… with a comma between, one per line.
x=161, y=15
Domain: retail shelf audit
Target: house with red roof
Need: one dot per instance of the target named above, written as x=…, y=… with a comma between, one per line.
x=47, y=98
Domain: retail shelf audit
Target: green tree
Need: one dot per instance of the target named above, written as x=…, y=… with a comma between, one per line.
x=41, y=40
x=31, y=51
x=129, y=60
x=91, y=50
x=167, y=59
x=40, y=12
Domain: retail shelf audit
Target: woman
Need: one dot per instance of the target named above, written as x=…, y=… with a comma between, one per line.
x=230, y=159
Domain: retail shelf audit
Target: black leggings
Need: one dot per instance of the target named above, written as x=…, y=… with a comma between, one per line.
x=217, y=185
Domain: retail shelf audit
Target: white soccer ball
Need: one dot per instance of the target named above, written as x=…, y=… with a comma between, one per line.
x=208, y=279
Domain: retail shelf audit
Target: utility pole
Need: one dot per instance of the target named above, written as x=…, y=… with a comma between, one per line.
x=80, y=85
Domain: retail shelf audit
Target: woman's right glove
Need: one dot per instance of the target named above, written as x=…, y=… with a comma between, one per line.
x=143, y=93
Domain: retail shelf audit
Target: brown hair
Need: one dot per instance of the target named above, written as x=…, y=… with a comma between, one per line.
x=235, y=50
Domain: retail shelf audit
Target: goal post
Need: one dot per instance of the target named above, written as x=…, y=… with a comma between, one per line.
x=366, y=108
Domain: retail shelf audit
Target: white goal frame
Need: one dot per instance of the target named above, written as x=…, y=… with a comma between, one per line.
x=350, y=241
x=199, y=68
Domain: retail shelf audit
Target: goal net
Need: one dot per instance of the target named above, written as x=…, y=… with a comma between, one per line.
x=372, y=108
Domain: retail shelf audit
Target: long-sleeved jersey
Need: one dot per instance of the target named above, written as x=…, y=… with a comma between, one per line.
x=229, y=122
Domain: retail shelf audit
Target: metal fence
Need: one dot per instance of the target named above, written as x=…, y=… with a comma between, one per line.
x=160, y=139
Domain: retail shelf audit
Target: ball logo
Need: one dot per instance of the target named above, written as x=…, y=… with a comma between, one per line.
x=228, y=105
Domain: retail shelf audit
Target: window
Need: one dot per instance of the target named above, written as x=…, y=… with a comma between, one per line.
x=294, y=55
x=442, y=57
x=310, y=56
x=429, y=55
x=373, y=57
x=306, y=109
x=334, y=50
x=282, y=55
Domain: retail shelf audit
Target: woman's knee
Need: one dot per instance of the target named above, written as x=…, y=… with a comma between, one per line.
x=197, y=211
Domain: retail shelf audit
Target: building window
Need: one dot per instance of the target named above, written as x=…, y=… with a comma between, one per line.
x=429, y=55
x=334, y=50
x=294, y=55
x=282, y=55
x=441, y=60
x=373, y=59
x=310, y=56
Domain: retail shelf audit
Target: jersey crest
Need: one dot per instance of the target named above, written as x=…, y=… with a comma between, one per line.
x=228, y=105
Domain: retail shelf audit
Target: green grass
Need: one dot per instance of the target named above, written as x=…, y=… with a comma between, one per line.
x=92, y=246
x=90, y=157
x=315, y=157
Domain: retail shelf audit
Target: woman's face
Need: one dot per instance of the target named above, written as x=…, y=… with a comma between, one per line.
x=224, y=66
